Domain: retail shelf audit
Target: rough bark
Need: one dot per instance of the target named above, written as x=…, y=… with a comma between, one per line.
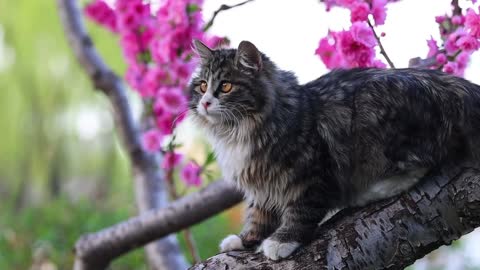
x=391, y=234
x=149, y=185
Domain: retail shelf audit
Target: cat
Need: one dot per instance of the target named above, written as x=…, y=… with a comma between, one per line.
x=348, y=138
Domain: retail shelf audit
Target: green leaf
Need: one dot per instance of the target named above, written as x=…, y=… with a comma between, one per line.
x=192, y=8
x=210, y=159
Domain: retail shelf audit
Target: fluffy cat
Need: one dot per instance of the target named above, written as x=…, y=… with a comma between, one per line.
x=345, y=139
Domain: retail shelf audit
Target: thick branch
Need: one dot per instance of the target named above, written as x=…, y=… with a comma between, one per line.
x=149, y=184
x=391, y=234
x=112, y=242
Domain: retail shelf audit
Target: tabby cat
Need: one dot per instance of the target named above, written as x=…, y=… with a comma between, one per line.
x=345, y=139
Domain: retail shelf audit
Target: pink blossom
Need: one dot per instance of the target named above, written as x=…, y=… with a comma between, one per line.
x=362, y=33
x=379, y=64
x=152, y=140
x=146, y=35
x=129, y=21
x=472, y=23
x=467, y=43
x=191, y=174
x=130, y=45
x=172, y=99
x=215, y=41
x=131, y=14
x=182, y=70
x=432, y=47
x=441, y=58
x=355, y=53
x=152, y=80
x=99, y=12
x=359, y=12
x=451, y=43
x=346, y=3
x=462, y=60
x=327, y=52
x=134, y=77
x=458, y=20
x=165, y=123
x=440, y=19
x=352, y=48
x=171, y=160
x=163, y=50
x=379, y=11
x=450, y=68
x=329, y=4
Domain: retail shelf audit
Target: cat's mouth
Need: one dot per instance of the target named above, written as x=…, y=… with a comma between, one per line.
x=211, y=116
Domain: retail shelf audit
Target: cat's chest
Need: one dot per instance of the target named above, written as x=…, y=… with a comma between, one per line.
x=233, y=158
x=262, y=182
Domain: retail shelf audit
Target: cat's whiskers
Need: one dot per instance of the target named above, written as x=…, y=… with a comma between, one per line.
x=229, y=116
x=174, y=122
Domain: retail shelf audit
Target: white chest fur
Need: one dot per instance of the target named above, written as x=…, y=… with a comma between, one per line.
x=232, y=157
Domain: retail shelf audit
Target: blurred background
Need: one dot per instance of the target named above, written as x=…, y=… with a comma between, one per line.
x=62, y=174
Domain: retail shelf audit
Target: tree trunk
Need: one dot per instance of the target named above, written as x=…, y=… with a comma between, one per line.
x=148, y=180
x=390, y=234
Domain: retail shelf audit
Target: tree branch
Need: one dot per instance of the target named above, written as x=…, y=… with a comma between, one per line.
x=456, y=9
x=382, y=49
x=418, y=62
x=148, y=180
x=220, y=9
x=391, y=234
x=110, y=243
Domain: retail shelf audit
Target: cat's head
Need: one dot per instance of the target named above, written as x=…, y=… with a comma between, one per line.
x=231, y=86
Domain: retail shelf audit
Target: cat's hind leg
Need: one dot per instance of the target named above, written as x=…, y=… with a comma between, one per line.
x=390, y=187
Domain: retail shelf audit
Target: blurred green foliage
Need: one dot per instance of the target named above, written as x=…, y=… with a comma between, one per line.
x=48, y=232
x=61, y=174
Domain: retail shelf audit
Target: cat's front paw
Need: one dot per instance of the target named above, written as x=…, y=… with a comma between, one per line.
x=276, y=250
x=231, y=242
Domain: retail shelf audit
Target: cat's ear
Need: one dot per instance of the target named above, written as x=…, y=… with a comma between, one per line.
x=248, y=56
x=202, y=50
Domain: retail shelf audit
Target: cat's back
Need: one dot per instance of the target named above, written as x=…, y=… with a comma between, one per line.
x=408, y=89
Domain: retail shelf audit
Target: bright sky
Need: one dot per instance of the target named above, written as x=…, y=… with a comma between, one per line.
x=289, y=31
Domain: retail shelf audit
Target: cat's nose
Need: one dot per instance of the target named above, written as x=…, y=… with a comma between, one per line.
x=206, y=104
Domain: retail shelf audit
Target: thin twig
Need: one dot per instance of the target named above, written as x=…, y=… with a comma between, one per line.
x=191, y=245
x=382, y=49
x=220, y=9
x=457, y=10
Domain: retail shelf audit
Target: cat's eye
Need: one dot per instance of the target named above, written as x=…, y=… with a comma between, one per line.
x=226, y=87
x=203, y=86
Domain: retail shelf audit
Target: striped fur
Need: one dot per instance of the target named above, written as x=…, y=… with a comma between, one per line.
x=344, y=139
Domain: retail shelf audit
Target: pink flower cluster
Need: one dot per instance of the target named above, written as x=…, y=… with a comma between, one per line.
x=460, y=36
x=354, y=47
x=157, y=48
x=361, y=9
x=349, y=48
x=101, y=13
